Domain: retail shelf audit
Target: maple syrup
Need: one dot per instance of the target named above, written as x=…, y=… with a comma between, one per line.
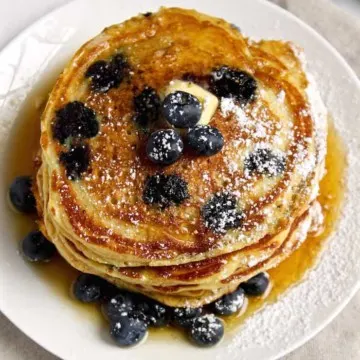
x=59, y=275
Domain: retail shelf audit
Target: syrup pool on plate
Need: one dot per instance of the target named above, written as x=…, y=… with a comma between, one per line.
x=23, y=147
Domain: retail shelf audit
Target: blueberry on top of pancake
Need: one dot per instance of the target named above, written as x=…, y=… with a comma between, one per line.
x=220, y=213
x=164, y=147
x=228, y=82
x=105, y=75
x=75, y=119
x=181, y=109
x=205, y=140
x=164, y=190
x=76, y=160
x=265, y=161
x=146, y=105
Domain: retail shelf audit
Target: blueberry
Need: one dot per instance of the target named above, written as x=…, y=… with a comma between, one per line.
x=164, y=147
x=206, y=330
x=108, y=291
x=175, y=189
x=21, y=195
x=146, y=105
x=76, y=161
x=88, y=288
x=128, y=331
x=118, y=306
x=220, y=213
x=264, y=161
x=151, y=312
x=105, y=75
x=227, y=82
x=205, y=140
x=257, y=285
x=165, y=190
x=229, y=304
x=147, y=14
x=184, y=317
x=75, y=120
x=181, y=109
x=37, y=248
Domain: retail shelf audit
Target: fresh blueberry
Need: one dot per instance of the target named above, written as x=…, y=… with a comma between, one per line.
x=220, y=213
x=21, y=195
x=184, y=317
x=206, y=330
x=146, y=105
x=76, y=161
x=165, y=190
x=257, y=285
x=181, y=109
x=108, y=291
x=175, y=189
x=37, y=248
x=151, y=312
x=118, y=306
x=229, y=304
x=88, y=288
x=128, y=331
x=264, y=161
x=227, y=82
x=205, y=140
x=147, y=14
x=75, y=120
x=105, y=75
x=164, y=147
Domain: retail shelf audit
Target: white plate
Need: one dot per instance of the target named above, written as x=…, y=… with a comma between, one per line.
x=30, y=303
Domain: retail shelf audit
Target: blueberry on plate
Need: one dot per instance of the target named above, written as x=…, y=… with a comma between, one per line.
x=165, y=190
x=76, y=161
x=257, y=285
x=75, y=120
x=205, y=140
x=88, y=288
x=221, y=214
x=108, y=291
x=230, y=303
x=206, y=330
x=164, y=147
x=185, y=316
x=265, y=161
x=118, y=306
x=146, y=105
x=127, y=331
x=151, y=312
x=21, y=195
x=227, y=82
x=37, y=248
x=181, y=109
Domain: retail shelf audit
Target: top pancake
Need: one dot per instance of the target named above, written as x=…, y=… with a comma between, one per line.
x=104, y=210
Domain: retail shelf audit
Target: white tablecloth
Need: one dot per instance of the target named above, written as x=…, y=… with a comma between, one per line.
x=341, y=339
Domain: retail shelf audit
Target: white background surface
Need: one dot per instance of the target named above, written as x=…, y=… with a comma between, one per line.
x=340, y=340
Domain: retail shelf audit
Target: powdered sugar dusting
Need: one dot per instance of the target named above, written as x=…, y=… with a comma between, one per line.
x=306, y=307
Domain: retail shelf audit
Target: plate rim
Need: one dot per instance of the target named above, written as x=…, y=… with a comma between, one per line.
x=339, y=308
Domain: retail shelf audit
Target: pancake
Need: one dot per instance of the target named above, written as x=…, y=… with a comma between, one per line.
x=268, y=169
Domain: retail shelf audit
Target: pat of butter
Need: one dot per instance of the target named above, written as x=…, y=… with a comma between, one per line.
x=208, y=101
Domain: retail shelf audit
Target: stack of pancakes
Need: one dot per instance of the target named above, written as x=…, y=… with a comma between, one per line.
x=99, y=221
